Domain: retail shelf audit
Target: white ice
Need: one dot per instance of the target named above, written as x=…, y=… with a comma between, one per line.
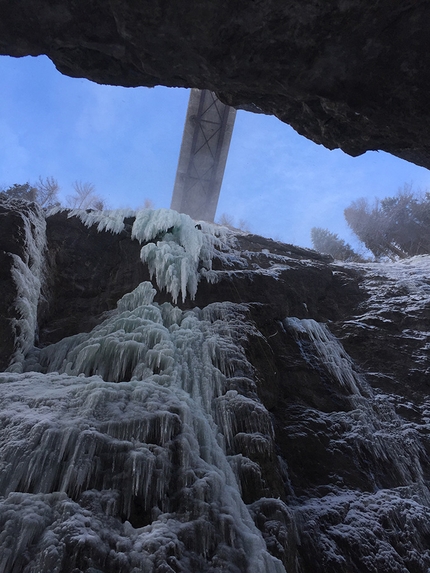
x=177, y=249
x=327, y=349
x=28, y=275
x=115, y=415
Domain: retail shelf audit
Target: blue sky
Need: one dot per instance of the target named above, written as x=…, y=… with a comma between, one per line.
x=126, y=142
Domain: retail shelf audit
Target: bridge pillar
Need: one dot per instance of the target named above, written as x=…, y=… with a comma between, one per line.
x=204, y=149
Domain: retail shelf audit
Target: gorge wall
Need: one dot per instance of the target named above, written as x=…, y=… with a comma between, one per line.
x=347, y=74
x=176, y=397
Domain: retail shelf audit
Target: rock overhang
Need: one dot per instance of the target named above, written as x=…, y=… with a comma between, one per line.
x=346, y=74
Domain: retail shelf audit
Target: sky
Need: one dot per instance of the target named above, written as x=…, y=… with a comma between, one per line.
x=125, y=141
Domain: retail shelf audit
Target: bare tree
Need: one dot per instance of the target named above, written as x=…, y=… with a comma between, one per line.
x=148, y=204
x=243, y=225
x=44, y=192
x=47, y=192
x=85, y=197
x=228, y=221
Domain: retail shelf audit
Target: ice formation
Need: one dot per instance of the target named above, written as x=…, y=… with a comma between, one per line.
x=177, y=250
x=327, y=349
x=385, y=529
x=131, y=448
x=27, y=273
x=109, y=421
x=370, y=422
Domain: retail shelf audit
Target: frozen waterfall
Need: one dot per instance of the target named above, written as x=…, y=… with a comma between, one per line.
x=166, y=437
x=113, y=443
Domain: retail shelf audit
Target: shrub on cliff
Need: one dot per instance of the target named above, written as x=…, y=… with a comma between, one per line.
x=45, y=192
x=326, y=242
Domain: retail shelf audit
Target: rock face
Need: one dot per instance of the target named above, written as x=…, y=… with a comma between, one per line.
x=345, y=73
x=276, y=422
x=87, y=273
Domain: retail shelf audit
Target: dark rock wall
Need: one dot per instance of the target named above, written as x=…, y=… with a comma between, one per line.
x=88, y=272
x=332, y=455
x=349, y=74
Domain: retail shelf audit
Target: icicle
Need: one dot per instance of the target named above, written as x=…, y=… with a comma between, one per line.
x=177, y=250
x=61, y=436
x=87, y=428
x=28, y=277
x=328, y=350
x=112, y=221
x=141, y=295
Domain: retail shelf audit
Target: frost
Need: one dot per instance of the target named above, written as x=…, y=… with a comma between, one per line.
x=400, y=286
x=373, y=531
x=27, y=274
x=127, y=448
x=369, y=422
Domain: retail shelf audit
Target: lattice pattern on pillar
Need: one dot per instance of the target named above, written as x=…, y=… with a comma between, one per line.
x=205, y=143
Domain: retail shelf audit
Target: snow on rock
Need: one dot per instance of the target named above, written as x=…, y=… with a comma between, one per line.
x=369, y=425
x=390, y=327
x=385, y=531
x=403, y=285
x=151, y=443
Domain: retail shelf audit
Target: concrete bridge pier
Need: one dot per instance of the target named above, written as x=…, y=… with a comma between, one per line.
x=203, y=156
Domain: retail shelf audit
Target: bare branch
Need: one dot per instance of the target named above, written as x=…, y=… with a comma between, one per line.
x=85, y=197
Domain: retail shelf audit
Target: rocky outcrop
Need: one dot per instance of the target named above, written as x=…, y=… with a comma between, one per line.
x=87, y=273
x=348, y=74
x=305, y=379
